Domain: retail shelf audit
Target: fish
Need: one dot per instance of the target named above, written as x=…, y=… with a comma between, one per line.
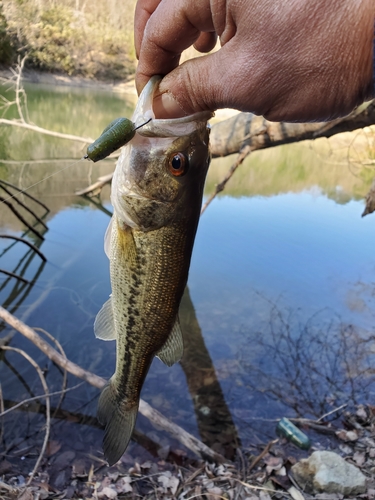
x=156, y=193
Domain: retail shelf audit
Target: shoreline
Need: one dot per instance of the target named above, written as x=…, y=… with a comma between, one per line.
x=53, y=79
x=127, y=87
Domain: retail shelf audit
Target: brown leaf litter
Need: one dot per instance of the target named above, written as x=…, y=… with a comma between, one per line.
x=258, y=473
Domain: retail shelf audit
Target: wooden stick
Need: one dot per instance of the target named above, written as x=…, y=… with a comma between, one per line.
x=96, y=186
x=262, y=454
x=220, y=187
x=48, y=408
x=30, y=245
x=184, y=437
x=40, y=130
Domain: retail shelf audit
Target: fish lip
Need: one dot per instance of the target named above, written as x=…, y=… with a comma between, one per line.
x=162, y=127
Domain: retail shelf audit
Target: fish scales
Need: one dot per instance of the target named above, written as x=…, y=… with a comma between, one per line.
x=157, y=192
x=151, y=282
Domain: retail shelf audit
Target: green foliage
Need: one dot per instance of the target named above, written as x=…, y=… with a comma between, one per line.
x=51, y=41
x=61, y=36
x=6, y=50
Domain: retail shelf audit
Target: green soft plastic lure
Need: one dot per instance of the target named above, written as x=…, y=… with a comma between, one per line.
x=114, y=136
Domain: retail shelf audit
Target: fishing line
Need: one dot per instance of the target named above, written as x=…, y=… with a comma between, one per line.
x=113, y=137
x=42, y=180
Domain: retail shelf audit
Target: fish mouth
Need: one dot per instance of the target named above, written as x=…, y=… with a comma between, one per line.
x=171, y=127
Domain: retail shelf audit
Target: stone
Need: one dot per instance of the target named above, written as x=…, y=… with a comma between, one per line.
x=327, y=472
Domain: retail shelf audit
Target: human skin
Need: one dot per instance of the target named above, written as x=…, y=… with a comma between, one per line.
x=288, y=60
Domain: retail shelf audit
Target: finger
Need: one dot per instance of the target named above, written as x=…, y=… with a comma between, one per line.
x=168, y=32
x=205, y=83
x=143, y=11
x=206, y=42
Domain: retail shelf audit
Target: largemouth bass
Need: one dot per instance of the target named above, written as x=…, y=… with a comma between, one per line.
x=157, y=191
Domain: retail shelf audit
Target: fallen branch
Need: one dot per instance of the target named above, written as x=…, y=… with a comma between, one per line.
x=191, y=442
x=96, y=187
x=30, y=245
x=262, y=454
x=48, y=409
x=21, y=218
x=14, y=275
x=220, y=187
x=27, y=401
x=24, y=193
x=40, y=130
x=245, y=129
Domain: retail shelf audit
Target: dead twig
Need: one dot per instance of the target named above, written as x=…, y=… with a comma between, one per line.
x=40, y=130
x=21, y=218
x=23, y=192
x=332, y=411
x=48, y=413
x=220, y=187
x=96, y=187
x=191, y=442
x=17, y=200
x=1, y=412
x=14, y=275
x=65, y=376
x=33, y=247
x=262, y=454
x=4, y=412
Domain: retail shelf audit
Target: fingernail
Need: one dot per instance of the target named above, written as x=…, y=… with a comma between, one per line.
x=166, y=106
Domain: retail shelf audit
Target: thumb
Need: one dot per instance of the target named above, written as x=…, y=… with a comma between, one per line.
x=205, y=83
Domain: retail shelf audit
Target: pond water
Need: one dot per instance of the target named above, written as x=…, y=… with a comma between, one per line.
x=278, y=315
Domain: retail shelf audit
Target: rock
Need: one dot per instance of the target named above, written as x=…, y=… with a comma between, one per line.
x=327, y=472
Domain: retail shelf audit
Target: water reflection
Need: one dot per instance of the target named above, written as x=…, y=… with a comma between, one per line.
x=215, y=423
x=311, y=366
x=16, y=287
x=286, y=232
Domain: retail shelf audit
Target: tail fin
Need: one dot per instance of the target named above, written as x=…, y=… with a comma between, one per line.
x=119, y=424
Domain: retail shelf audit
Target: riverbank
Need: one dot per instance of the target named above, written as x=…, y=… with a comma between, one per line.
x=119, y=87
x=53, y=79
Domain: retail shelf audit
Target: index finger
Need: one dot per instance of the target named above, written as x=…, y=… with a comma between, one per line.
x=143, y=11
x=171, y=28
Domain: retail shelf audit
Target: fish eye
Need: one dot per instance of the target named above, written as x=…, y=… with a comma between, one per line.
x=178, y=164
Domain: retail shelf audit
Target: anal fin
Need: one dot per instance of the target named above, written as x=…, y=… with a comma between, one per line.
x=104, y=325
x=173, y=349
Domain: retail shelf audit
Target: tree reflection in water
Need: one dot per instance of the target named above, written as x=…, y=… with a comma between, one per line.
x=312, y=367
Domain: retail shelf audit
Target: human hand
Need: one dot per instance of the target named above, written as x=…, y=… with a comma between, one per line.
x=290, y=60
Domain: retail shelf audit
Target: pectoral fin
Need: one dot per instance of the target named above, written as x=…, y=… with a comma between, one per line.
x=172, y=350
x=107, y=238
x=104, y=325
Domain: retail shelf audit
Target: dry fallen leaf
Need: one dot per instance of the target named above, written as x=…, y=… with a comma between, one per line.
x=347, y=435
x=107, y=492
x=26, y=495
x=214, y=492
x=264, y=496
x=169, y=482
x=295, y=494
x=359, y=458
x=123, y=485
x=273, y=463
x=361, y=412
x=53, y=447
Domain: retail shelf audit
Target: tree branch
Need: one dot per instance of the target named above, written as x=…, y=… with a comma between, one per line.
x=145, y=409
x=245, y=129
x=40, y=130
